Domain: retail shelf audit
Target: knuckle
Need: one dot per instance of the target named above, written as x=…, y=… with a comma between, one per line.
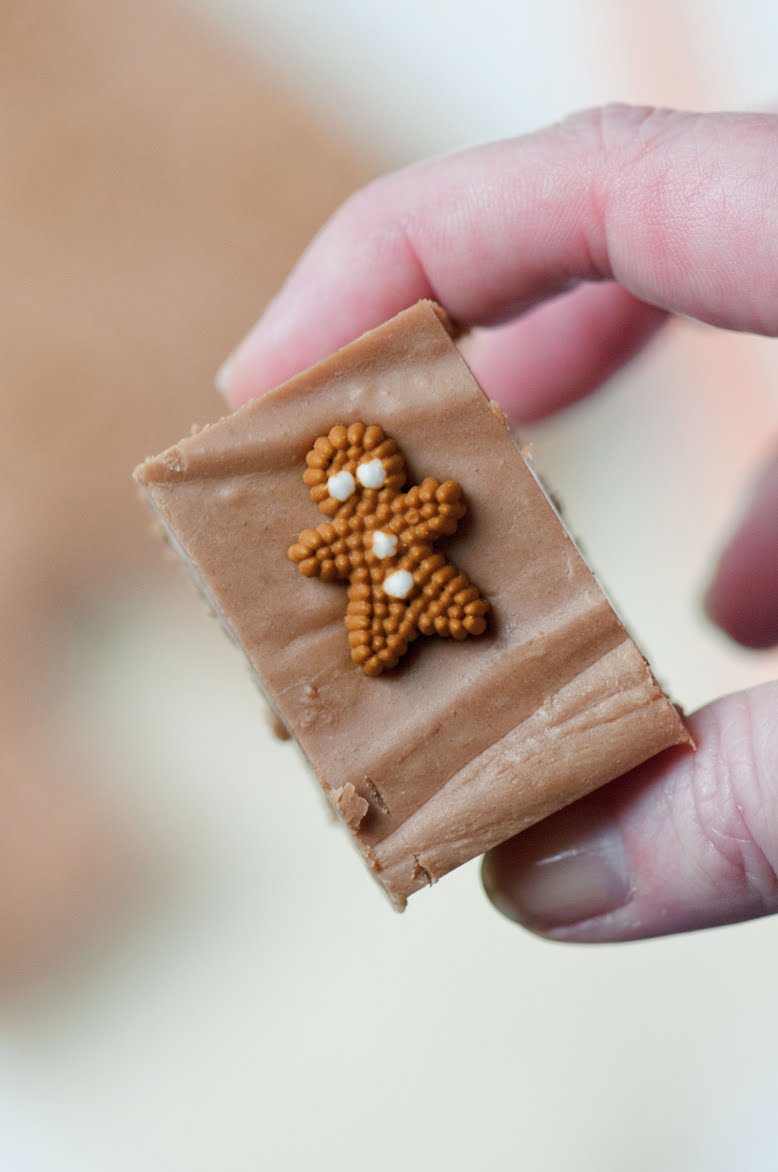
x=619, y=147
x=617, y=130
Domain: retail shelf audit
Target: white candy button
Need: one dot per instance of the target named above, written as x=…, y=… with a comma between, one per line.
x=372, y=474
x=384, y=544
x=341, y=486
x=399, y=584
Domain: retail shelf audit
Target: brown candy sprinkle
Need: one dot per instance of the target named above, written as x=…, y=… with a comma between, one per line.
x=380, y=539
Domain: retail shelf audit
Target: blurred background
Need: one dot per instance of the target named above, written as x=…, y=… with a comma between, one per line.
x=195, y=971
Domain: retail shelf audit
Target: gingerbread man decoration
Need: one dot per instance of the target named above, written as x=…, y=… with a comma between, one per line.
x=380, y=539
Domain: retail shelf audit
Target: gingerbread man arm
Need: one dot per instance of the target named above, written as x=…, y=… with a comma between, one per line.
x=321, y=553
x=428, y=510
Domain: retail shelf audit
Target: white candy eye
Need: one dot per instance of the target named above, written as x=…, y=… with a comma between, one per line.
x=372, y=474
x=341, y=486
x=399, y=584
x=384, y=544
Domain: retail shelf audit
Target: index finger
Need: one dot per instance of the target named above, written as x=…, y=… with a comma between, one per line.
x=679, y=208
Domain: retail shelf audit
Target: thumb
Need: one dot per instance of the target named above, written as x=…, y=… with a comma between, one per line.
x=685, y=841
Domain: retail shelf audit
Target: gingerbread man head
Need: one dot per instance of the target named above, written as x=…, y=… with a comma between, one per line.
x=380, y=540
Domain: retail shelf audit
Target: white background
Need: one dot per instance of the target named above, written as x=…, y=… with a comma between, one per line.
x=266, y=1009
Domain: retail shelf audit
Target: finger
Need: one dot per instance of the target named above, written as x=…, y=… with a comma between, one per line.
x=743, y=598
x=678, y=208
x=562, y=350
x=686, y=841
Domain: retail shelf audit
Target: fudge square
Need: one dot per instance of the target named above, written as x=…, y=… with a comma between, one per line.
x=327, y=524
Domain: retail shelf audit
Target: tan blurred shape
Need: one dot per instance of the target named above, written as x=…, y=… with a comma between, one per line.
x=154, y=189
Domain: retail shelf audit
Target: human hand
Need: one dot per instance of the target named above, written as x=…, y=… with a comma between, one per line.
x=657, y=212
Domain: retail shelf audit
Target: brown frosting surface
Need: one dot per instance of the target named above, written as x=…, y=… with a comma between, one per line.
x=463, y=743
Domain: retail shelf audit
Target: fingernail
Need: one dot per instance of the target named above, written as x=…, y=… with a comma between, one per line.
x=559, y=875
x=223, y=376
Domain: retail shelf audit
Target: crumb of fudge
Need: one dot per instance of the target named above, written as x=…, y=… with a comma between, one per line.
x=276, y=726
x=380, y=539
x=351, y=807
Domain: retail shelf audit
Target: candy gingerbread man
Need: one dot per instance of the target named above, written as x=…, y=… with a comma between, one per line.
x=380, y=539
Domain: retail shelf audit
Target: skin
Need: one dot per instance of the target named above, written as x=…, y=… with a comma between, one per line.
x=596, y=228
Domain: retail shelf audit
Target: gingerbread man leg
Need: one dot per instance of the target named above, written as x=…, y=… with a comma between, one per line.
x=380, y=628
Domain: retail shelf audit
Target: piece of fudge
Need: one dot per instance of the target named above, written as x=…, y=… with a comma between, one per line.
x=410, y=602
